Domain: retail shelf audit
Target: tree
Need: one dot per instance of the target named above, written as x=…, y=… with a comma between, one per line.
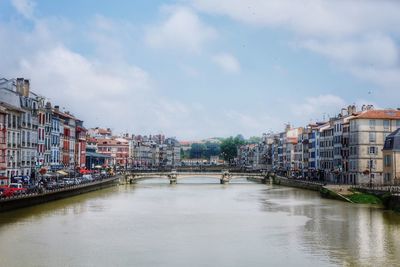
x=239, y=140
x=212, y=149
x=254, y=140
x=229, y=149
x=197, y=151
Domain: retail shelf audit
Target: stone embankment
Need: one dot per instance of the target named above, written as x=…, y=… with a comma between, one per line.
x=7, y=204
x=325, y=191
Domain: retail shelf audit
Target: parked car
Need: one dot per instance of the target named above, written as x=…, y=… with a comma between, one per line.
x=32, y=188
x=6, y=192
x=87, y=178
x=51, y=185
x=17, y=188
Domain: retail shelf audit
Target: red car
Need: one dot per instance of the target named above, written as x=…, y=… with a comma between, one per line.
x=12, y=189
x=6, y=192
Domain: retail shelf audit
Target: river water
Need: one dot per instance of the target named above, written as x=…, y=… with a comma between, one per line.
x=199, y=223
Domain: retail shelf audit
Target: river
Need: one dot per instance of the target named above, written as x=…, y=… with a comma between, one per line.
x=199, y=222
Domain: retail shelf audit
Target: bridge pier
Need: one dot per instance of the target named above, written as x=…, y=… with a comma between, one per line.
x=173, y=178
x=129, y=179
x=225, y=177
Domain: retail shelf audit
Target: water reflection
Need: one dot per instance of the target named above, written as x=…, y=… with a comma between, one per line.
x=352, y=235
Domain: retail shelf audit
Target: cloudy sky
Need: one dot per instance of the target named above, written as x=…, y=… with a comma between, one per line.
x=202, y=68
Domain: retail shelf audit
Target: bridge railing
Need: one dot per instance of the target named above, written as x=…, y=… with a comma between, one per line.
x=194, y=170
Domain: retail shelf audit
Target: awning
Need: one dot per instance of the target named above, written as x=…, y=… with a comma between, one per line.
x=62, y=172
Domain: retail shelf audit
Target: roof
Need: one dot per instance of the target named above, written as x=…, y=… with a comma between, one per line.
x=11, y=107
x=63, y=114
x=392, y=141
x=91, y=140
x=10, y=97
x=101, y=142
x=389, y=114
x=104, y=131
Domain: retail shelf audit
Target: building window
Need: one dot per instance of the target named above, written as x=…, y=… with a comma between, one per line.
x=373, y=150
x=372, y=137
x=372, y=124
x=387, y=160
x=386, y=124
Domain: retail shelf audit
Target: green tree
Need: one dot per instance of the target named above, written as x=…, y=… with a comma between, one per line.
x=239, y=140
x=212, y=149
x=229, y=149
x=197, y=151
x=254, y=140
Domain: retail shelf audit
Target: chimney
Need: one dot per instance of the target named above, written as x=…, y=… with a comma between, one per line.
x=354, y=109
x=26, y=88
x=288, y=127
x=20, y=86
x=57, y=108
x=349, y=110
x=363, y=108
x=343, y=112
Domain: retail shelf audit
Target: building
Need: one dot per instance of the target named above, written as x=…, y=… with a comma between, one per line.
x=368, y=132
x=101, y=133
x=55, y=144
x=80, y=145
x=10, y=100
x=44, y=133
x=116, y=150
x=391, y=159
x=67, y=124
x=29, y=127
x=3, y=145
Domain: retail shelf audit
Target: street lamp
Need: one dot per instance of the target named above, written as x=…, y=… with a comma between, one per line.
x=11, y=158
x=370, y=172
x=33, y=173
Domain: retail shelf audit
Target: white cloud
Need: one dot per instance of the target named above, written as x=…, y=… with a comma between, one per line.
x=379, y=51
x=316, y=106
x=227, y=62
x=359, y=37
x=120, y=95
x=310, y=17
x=24, y=7
x=181, y=30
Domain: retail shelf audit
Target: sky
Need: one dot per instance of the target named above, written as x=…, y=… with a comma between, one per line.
x=204, y=68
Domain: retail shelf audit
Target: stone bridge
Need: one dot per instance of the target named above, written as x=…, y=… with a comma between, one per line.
x=173, y=176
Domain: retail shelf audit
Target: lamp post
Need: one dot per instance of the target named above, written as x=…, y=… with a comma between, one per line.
x=370, y=172
x=11, y=159
x=33, y=173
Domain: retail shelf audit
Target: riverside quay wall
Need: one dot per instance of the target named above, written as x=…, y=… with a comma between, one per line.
x=278, y=180
x=390, y=199
x=324, y=191
x=7, y=204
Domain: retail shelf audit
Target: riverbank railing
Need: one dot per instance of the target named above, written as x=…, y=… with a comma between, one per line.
x=44, y=191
